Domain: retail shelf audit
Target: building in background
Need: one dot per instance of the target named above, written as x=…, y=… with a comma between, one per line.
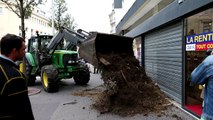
x=112, y=21
x=173, y=36
x=11, y=23
x=118, y=13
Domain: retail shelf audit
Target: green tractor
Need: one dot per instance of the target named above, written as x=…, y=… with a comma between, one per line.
x=54, y=58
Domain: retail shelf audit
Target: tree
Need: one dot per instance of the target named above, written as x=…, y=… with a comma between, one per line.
x=68, y=22
x=61, y=17
x=23, y=9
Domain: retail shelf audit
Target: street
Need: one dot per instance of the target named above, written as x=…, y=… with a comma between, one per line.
x=62, y=105
x=55, y=106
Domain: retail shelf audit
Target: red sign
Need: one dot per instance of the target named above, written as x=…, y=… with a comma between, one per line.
x=203, y=46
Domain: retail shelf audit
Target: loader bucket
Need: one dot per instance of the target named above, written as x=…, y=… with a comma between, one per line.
x=100, y=44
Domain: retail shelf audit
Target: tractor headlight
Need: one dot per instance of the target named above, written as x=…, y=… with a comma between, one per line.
x=71, y=61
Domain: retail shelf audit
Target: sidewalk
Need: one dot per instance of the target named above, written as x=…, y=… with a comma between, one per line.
x=63, y=105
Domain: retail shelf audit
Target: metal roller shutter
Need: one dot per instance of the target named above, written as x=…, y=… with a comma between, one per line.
x=163, y=59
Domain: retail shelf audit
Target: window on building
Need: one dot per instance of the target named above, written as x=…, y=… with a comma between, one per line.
x=31, y=32
x=207, y=26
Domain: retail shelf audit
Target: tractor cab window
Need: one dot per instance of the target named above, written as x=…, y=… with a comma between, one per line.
x=38, y=43
x=45, y=40
x=68, y=45
x=32, y=45
x=64, y=44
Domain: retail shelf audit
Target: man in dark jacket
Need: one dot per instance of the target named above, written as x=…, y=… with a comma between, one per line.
x=14, y=100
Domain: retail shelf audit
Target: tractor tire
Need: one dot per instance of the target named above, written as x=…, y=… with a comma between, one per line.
x=81, y=77
x=30, y=78
x=47, y=84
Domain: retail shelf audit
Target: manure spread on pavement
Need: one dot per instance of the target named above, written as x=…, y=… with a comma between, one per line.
x=127, y=89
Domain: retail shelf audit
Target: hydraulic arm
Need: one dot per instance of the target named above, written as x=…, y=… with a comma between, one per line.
x=92, y=45
x=64, y=33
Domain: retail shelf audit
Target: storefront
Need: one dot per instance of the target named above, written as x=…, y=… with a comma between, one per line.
x=199, y=38
x=172, y=43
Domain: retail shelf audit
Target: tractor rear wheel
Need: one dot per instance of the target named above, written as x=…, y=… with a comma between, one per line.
x=81, y=77
x=47, y=84
x=30, y=78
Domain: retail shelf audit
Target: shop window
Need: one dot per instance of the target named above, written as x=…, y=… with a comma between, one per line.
x=137, y=49
x=198, y=40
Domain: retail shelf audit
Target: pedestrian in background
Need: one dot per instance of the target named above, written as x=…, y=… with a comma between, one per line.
x=203, y=74
x=14, y=100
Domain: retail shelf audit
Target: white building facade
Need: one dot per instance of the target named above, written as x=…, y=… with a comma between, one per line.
x=117, y=14
x=11, y=23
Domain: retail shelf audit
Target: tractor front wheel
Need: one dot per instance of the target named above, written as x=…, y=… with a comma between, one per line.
x=47, y=83
x=81, y=77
